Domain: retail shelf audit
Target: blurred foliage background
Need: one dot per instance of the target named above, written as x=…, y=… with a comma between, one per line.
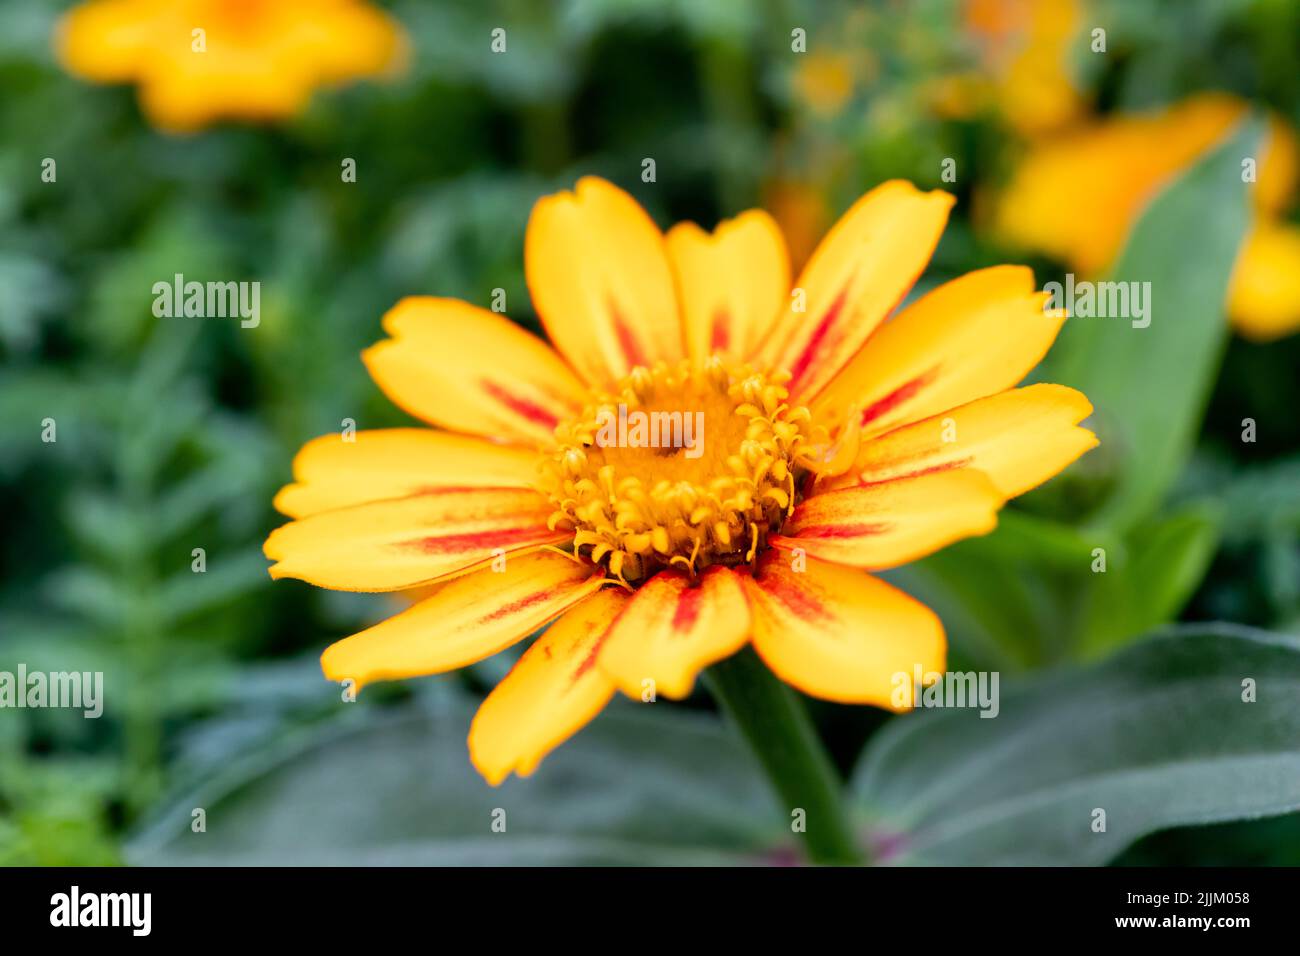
x=174, y=434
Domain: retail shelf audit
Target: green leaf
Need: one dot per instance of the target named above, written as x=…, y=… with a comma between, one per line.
x=1005, y=598
x=1149, y=583
x=1263, y=500
x=643, y=784
x=1150, y=385
x=1157, y=736
x=227, y=578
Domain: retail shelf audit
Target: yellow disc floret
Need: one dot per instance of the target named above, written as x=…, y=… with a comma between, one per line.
x=679, y=467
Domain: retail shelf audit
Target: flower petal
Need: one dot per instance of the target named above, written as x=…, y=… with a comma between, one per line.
x=471, y=370
x=671, y=631
x=105, y=41
x=1076, y=194
x=840, y=634
x=332, y=472
x=257, y=63
x=1019, y=439
x=859, y=273
x=733, y=283
x=600, y=280
x=894, y=522
x=553, y=691
x=1264, y=298
x=464, y=621
x=395, y=544
x=974, y=336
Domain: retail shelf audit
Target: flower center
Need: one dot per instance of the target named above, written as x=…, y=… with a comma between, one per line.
x=679, y=467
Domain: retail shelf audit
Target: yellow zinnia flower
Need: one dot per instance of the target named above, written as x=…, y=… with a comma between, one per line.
x=834, y=438
x=197, y=61
x=1077, y=195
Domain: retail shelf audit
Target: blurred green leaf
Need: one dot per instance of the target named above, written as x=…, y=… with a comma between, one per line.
x=1009, y=599
x=1157, y=736
x=1263, y=501
x=1150, y=385
x=227, y=577
x=1148, y=583
x=641, y=785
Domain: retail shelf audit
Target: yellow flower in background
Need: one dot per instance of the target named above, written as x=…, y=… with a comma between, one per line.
x=1024, y=50
x=825, y=81
x=803, y=434
x=198, y=61
x=1076, y=196
x=1264, y=298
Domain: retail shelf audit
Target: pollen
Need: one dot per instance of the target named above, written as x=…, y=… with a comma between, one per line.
x=680, y=467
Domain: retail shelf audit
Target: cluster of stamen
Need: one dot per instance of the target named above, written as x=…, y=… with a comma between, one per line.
x=637, y=507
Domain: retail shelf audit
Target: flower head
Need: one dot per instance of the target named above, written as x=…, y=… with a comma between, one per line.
x=197, y=61
x=834, y=436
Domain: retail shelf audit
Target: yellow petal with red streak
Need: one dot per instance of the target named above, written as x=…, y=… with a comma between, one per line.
x=888, y=524
x=1019, y=439
x=333, y=472
x=855, y=278
x=464, y=621
x=733, y=283
x=553, y=691
x=840, y=634
x=403, y=542
x=974, y=336
x=598, y=272
x=471, y=370
x=672, y=630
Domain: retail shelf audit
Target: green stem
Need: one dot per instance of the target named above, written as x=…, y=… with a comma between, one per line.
x=778, y=729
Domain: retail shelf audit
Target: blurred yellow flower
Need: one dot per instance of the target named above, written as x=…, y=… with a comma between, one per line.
x=198, y=61
x=831, y=435
x=825, y=81
x=1264, y=298
x=1023, y=48
x=1076, y=195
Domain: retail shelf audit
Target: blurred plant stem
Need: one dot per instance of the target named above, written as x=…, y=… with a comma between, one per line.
x=777, y=727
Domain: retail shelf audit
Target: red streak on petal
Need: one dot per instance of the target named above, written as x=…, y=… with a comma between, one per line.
x=689, y=601
x=796, y=599
x=626, y=340
x=453, y=489
x=514, y=607
x=589, y=661
x=857, y=530
x=899, y=395
x=951, y=465
x=481, y=540
x=817, y=339
x=522, y=407
x=721, y=336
